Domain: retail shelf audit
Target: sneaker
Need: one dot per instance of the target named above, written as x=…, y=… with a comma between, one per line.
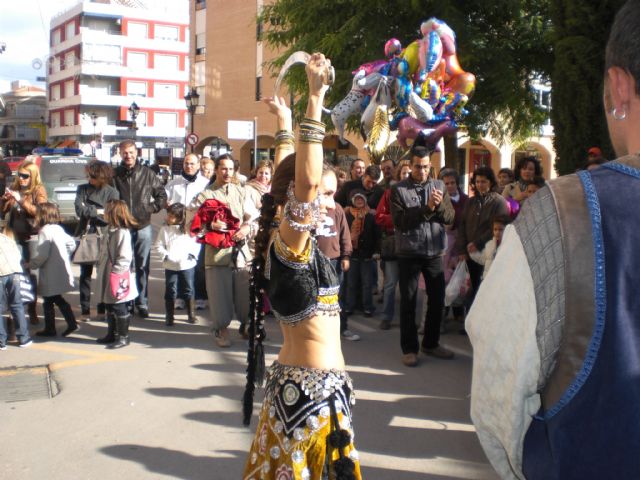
x=179, y=304
x=143, y=312
x=222, y=338
x=25, y=343
x=201, y=304
x=438, y=352
x=410, y=359
x=3, y=347
x=385, y=325
x=368, y=313
x=70, y=330
x=349, y=335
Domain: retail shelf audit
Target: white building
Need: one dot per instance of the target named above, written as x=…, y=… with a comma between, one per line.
x=106, y=55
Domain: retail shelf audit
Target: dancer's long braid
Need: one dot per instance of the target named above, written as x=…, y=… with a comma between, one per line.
x=255, y=353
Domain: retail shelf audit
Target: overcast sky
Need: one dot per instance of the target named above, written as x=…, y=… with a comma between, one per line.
x=24, y=27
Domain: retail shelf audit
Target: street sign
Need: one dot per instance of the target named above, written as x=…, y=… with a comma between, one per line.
x=192, y=139
x=240, y=130
x=93, y=144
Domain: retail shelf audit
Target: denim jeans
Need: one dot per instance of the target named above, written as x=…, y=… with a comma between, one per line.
x=141, y=244
x=10, y=299
x=179, y=283
x=344, y=318
x=360, y=280
x=409, y=270
x=389, y=289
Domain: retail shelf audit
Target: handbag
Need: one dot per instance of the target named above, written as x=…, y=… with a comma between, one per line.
x=88, y=250
x=119, y=283
x=388, y=247
x=26, y=289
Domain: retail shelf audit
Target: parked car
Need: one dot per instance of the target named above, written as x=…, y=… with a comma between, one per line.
x=62, y=170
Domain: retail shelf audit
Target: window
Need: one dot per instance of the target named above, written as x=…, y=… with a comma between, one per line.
x=55, y=40
x=137, y=88
x=102, y=53
x=201, y=44
x=70, y=30
x=166, y=32
x=69, y=118
x=55, y=119
x=69, y=59
x=199, y=74
x=201, y=21
x=258, y=89
x=166, y=91
x=166, y=120
x=55, y=92
x=55, y=64
x=137, y=60
x=166, y=62
x=141, y=119
x=69, y=89
x=137, y=30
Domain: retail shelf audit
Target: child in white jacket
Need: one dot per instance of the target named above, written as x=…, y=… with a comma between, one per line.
x=179, y=252
x=50, y=255
x=488, y=253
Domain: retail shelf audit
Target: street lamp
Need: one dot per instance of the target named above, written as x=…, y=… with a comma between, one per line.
x=191, y=98
x=94, y=119
x=134, y=110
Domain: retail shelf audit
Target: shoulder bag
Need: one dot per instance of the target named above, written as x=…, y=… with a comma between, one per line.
x=88, y=251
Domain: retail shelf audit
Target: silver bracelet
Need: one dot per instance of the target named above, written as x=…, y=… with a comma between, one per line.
x=299, y=210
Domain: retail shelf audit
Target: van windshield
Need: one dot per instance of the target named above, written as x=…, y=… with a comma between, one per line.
x=60, y=169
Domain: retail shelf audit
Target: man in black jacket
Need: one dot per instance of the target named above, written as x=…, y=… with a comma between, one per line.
x=420, y=207
x=141, y=189
x=368, y=183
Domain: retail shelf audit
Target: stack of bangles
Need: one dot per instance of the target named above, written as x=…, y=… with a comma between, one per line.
x=284, y=137
x=311, y=131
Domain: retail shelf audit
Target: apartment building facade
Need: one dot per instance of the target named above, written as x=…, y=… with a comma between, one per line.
x=22, y=119
x=112, y=62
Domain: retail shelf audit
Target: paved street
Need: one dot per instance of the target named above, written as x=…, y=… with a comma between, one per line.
x=168, y=406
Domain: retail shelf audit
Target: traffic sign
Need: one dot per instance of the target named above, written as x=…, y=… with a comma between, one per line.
x=192, y=139
x=93, y=144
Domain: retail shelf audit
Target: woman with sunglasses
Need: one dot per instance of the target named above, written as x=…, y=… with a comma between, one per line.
x=20, y=206
x=91, y=199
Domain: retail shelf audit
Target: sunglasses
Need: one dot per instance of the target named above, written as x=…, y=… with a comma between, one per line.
x=24, y=176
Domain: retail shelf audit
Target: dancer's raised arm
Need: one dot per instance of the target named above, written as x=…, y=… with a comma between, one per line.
x=285, y=141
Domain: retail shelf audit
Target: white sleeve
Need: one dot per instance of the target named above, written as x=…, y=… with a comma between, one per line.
x=506, y=361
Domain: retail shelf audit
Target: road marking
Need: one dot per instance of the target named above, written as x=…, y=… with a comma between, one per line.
x=90, y=358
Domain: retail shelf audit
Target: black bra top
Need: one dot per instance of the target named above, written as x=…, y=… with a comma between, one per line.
x=302, y=285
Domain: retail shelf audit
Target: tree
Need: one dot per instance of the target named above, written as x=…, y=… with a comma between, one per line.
x=503, y=42
x=581, y=30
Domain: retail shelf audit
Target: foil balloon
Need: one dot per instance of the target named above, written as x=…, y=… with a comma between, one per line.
x=379, y=136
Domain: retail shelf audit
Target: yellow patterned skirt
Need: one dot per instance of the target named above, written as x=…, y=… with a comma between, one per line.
x=298, y=414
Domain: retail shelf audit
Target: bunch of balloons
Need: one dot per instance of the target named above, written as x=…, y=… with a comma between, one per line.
x=420, y=91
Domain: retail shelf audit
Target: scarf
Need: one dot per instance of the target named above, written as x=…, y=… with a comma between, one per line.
x=189, y=178
x=357, y=226
x=260, y=187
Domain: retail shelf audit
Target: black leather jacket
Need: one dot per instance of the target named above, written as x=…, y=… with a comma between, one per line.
x=88, y=200
x=419, y=230
x=142, y=190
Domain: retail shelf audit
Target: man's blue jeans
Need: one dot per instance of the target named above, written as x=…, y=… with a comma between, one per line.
x=10, y=299
x=141, y=243
x=360, y=280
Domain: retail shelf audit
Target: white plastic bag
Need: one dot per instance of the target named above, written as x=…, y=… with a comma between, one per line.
x=458, y=284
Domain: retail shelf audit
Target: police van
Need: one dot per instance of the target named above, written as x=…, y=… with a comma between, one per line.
x=61, y=171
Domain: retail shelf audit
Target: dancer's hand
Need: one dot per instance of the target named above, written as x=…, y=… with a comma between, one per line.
x=318, y=70
x=278, y=107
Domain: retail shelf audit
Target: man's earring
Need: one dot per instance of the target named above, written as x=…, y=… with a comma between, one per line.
x=619, y=115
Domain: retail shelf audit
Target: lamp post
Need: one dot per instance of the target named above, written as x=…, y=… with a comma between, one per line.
x=134, y=110
x=191, y=98
x=94, y=119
